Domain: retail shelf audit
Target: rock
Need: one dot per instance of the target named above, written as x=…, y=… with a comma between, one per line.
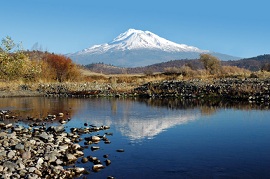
x=3, y=154
x=51, y=157
x=39, y=162
x=95, y=138
x=108, y=162
x=63, y=148
x=38, y=173
x=92, y=159
x=11, y=154
x=32, y=142
x=51, y=116
x=61, y=114
x=5, y=144
x=32, y=169
x=12, y=135
x=10, y=166
x=32, y=176
x=2, y=125
x=109, y=133
x=67, y=140
x=59, y=162
x=97, y=167
x=21, y=164
x=3, y=135
x=76, y=146
x=26, y=155
x=97, y=162
x=79, y=170
x=94, y=148
x=23, y=173
x=120, y=150
x=56, y=129
x=79, y=153
x=62, y=121
x=19, y=147
x=8, y=126
x=84, y=160
x=71, y=158
x=18, y=129
x=46, y=137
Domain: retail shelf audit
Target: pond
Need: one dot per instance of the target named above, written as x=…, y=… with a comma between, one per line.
x=164, y=138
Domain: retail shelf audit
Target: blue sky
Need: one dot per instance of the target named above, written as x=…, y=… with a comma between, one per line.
x=234, y=27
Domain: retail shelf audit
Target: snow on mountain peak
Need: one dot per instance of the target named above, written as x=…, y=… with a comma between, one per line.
x=134, y=39
x=135, y=48
x=138, y=39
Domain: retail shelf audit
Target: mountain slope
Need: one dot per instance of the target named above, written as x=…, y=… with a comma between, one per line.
x=252, y=64
x=135, y=48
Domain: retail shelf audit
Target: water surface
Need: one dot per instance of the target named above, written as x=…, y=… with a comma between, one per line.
x=166, y=138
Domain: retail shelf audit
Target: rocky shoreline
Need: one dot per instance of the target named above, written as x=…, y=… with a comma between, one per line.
x=248, y=89
x=253, y=90
x=37, y=151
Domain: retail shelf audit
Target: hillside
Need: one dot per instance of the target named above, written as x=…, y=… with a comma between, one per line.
x=252, y=64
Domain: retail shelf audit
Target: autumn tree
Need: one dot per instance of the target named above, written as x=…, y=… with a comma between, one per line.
x=210, y=63
x=14, y=64
x=62, y=68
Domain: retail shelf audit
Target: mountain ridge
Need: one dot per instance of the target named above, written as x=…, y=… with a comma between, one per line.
x=252, y=64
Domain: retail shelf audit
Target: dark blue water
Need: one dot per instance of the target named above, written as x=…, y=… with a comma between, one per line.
x=168, y=139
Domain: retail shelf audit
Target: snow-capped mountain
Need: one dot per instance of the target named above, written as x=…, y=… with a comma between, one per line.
x=138, y=48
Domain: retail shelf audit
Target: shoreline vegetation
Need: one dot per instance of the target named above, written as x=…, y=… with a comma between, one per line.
x=233, y=89
x=36, y=73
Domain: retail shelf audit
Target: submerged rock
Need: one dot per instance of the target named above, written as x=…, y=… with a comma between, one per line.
x=95, y=147
x=120, y=150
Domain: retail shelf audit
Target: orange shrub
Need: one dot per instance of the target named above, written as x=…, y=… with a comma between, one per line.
x=61, y=68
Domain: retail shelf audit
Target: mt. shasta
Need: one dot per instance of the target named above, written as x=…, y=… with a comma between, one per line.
x=135, y=48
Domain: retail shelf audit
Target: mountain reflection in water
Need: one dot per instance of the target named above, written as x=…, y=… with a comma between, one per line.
x=135, y=119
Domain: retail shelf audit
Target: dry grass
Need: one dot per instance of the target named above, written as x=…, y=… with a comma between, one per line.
x=262, y=74
x=127, y=82
x=228, y=71
x=86, y=72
